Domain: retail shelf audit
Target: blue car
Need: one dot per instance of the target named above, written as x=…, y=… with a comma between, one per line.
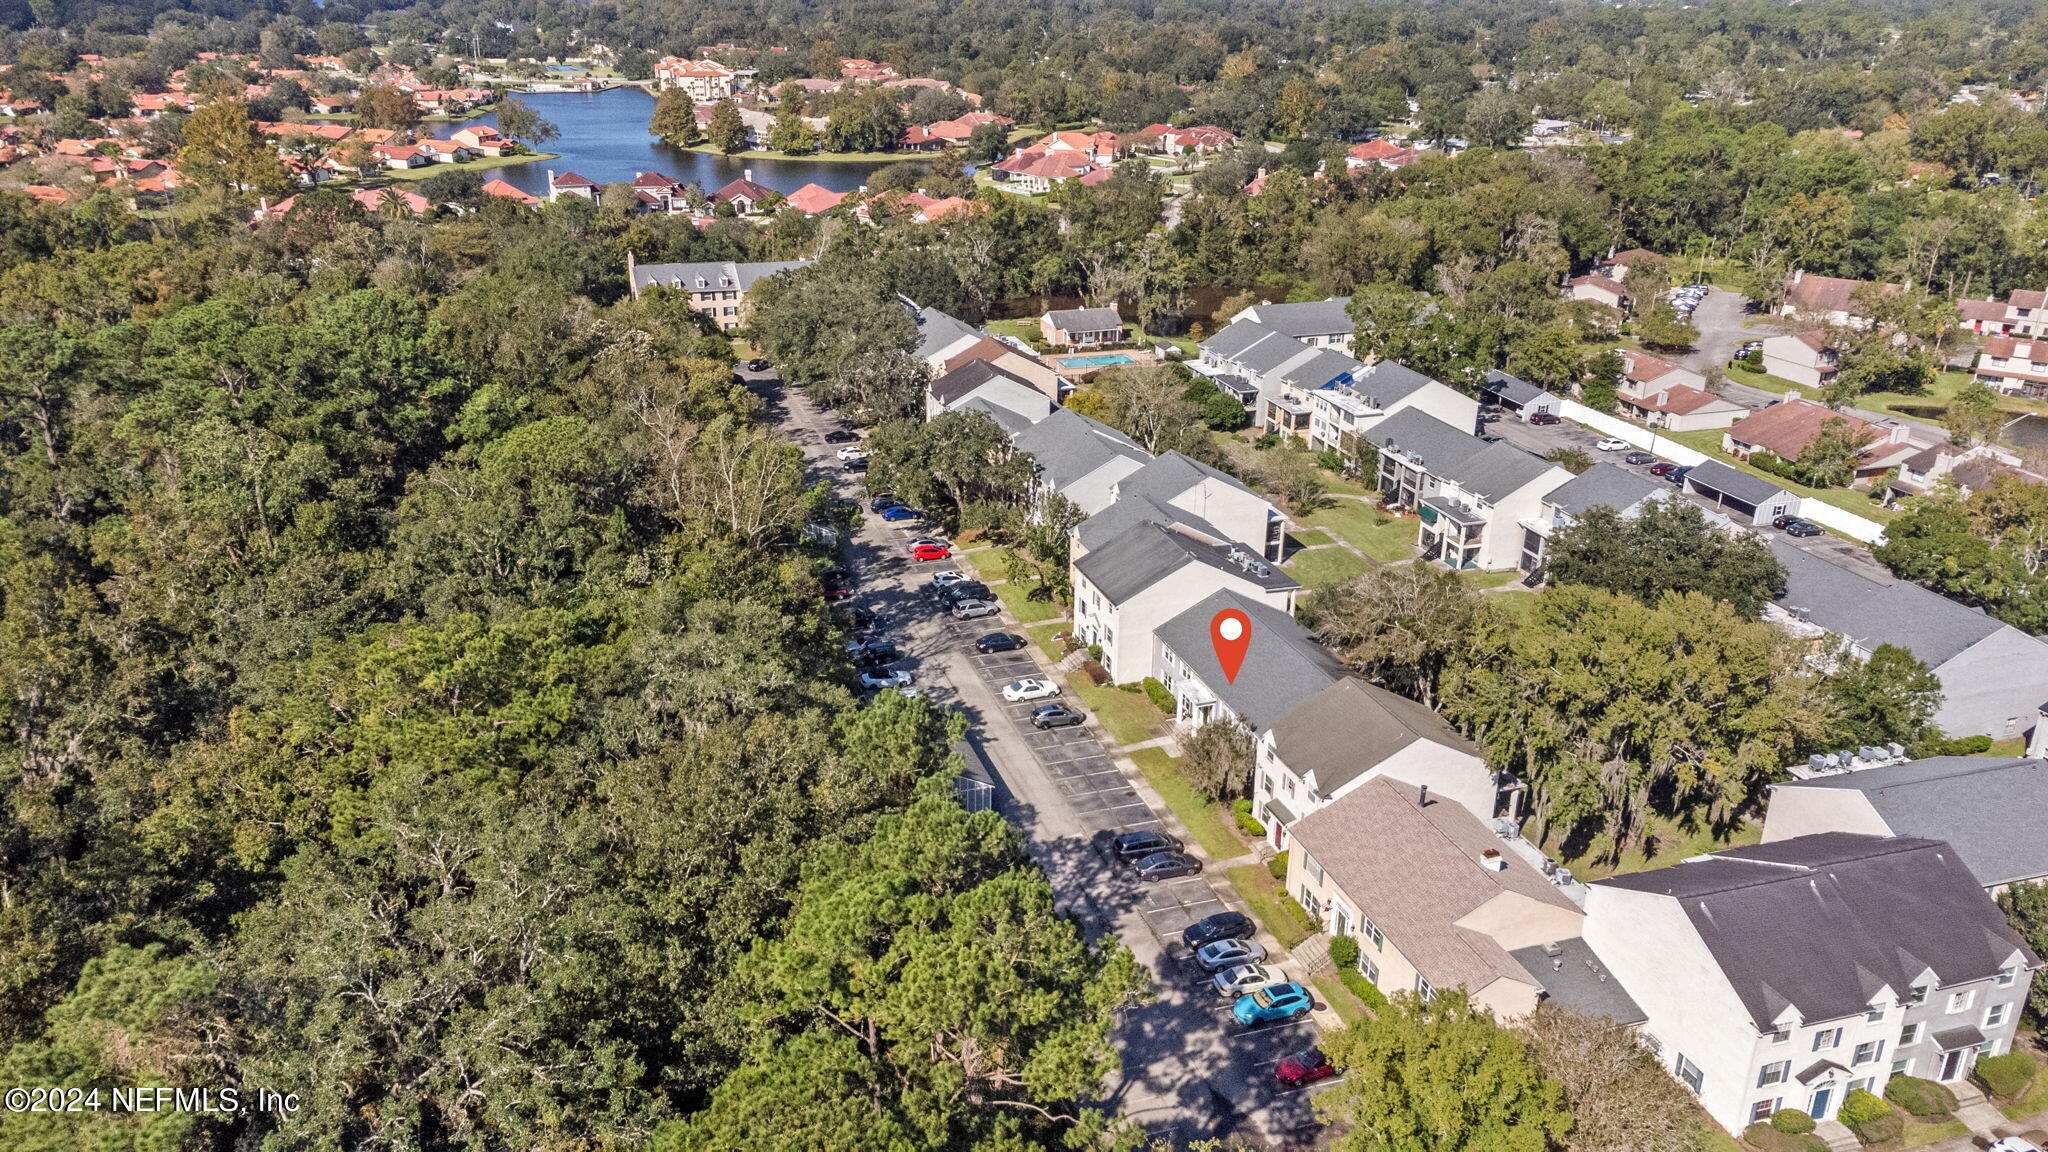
x=898, y=513
x=1273, y=1003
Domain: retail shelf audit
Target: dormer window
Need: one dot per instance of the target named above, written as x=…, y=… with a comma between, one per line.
x=1918, y=995
x=2006, y=976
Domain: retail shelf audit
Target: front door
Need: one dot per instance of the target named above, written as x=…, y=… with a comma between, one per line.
x=1341, y=924
x=1279, y=836
x=1951, y=1063
x=1819, y=1108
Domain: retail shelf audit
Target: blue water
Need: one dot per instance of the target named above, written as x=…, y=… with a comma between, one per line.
x=604, y=136
x=1096, y=361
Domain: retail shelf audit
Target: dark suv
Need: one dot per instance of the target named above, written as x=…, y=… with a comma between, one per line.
x=1131, y=847
x=1221, y=926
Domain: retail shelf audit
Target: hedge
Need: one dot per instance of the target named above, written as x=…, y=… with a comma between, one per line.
x=1769, y=1139
x=1920, y=1097
x=1791, y=1121
x=1158, y=695
x=1278, y=866
x=1362, y=988
x=1343, y=951
x=2005, y=1076
x=1873, y=1120
x=1241, y=811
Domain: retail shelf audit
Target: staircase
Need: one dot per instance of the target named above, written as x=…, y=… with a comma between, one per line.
x=1073, y=660
x=1313, y=954
x=1837, y=1136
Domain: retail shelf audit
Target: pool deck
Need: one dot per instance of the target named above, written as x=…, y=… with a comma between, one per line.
x=1077, y=367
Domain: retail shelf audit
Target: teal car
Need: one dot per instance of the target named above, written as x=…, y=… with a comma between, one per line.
x=1273, y=1003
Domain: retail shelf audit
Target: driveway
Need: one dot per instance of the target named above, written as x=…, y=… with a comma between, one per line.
x=1719, y=319
x=1189, y=1072
x=1542, y=440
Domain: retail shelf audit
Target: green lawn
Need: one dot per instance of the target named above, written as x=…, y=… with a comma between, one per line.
x=1770, y=383
x=1669, y=843
x=1332, y=991
x=1474, y=578
x=1042, y=636
x=1848, y=500
x=1518, y=603
x=1920, y=1133
x=2032, y=1102
x=1025, y=610
x=1126, y=715
x=1281, y=916
x=992, y=564
x=1205, y=822
x=1385, y=538
x=1310, y=538
x=1337, y=482
x=1325, y=566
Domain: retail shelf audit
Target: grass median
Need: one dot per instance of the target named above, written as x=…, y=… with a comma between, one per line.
x=1282, y=916
x=1205, y=822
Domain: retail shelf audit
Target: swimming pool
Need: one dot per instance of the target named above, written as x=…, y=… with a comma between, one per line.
x=1103, y=360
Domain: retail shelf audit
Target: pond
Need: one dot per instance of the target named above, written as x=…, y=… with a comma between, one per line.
x=604, y=136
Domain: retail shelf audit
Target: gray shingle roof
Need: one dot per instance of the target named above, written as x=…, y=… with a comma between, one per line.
x=1312, y=318
x=1870, y=612
x=1387, y=382
x=1730, y=481
x=1282, y=666
x=1993, y=811
x=1512, y=389
x=1171, y=474
x=1147, y=553
x=1067, y=446
x=1576, y=978
x=1319, y=367
x=1085, y=319
x=1497, y=471
x=1235, y=338
x=1416, y=433
x=1347, y=729
x=937, y=330
x=1253, y=347
x=1129, y=511
x=710, y=276
x=1820, y=923
x=1603, y=484
x=1009, y=420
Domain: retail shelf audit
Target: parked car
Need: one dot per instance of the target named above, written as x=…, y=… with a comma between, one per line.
x=1055, y=716
x=1305, y=1068
x=1544, y=418
x=840, y=436
x=836, y=590
x=898, y=514
x=921, y=541
x=1221, y=926
x=1133, y=846
x=1221, y=954
x=875, y=653
x=1802, y=528
x=998, y=642
x=1289, y=1001
x=2011, y=1144
x=974, y=610
x=1663, y=468
x=883, y=503
x=1246, y=977
x=1492, y=439
x=1749, y=346
x=1167, y=865
x=890, y=678
x=757, y=365
x=857, y=618
x=1678, y=475
x=949, y=576
x=1638, y=458
x=952, y=594
x=857, y=467
x=924, y=552
x=852, y=452
x=1030, y=689
x=1610, y=444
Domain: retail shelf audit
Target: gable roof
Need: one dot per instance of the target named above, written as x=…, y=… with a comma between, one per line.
x=1731, y=481
x=1347, y=729
x=1085, y=319
x=1311, y=318
x=1870, y=612
x=1820, y=924
x=1491, y=472
x=1283, y=665
x=813, y=199
x=1067, y=446
x=1416, y=871
x=742, y=188
x=566, y=179
x=1788, y=426
x=969, y=376
x=708, y=276
x=1254, y=347
x=1148, y=553
x=937, y=331
x=1603, y=484
x=1513, y=389
x=1992, y=811
x=1827, y=293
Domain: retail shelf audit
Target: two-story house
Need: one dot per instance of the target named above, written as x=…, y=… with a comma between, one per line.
x=1602, y=485
x=2015, y=365
x=1133, y=583
x=1832, y=299
x=1079, y=458
x=1316, y=323
x=1992, y=810
x=1351, y=732
x=1808, y=358
x=1283, y=665
x=1177, y=489
x=1341, y=412
x=2024, y=313
x=1434, y=899
x=1007, y=397
x=1783, y=975
x=1471, y=496
x=717, y=289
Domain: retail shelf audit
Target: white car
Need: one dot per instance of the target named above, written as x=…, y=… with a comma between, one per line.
x=885, y=678
x=1030, y=690
x=1611, y=444
x=947, y=579
x=1229, y=954
x=1246, y=978
x=852, y=452
x=2012, y=1144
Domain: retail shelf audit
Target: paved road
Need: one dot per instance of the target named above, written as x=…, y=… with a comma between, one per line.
x=1544, y=439
x=1189, y=1071
x=1719, y=320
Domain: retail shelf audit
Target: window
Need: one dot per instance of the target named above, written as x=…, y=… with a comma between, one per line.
x=1862, y=1085
x=1874, y=1016
x=1266, y=783
x=1918, y=995
x=1781, y=1035
x=1288, y=781
x=1309, y=901
x=1961, y=1001
x=1868, y=1052
x=1827, y=1038
x=1690, y=1073
x=1994, y=1015
x=1774, y=1074
x=1761, y=1111
x=1369, y=970
x=1314, y=869
x=2006, y=976
x=1909, y=1034
x=1371, y=931
x=1902, y=1067
x=1423, y=986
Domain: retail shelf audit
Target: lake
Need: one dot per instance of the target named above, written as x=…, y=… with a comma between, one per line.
x=604, y=136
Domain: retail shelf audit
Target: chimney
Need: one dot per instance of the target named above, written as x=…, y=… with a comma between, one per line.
x=748, y=173
x=631, y=284
x=1423, y=802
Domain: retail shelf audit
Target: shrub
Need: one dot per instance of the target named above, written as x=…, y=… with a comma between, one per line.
x=1309, y=924
x=1241, y=811
x=1791, y=1121
x=1343, y=951
x=2006, y=1075
x=1362, y=988
x=1278, y=866
x=1920, y=1097
x=1159, y=696
x=1873, y=1120
x=1097, y=674
x=1095, y=654
x=1771, y=1140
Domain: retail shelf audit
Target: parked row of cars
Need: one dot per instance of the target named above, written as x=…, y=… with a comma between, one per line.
x=1233, y=962
x=1687, y=298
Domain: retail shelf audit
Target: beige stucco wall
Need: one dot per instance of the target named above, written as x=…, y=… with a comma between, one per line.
x=1804, y=811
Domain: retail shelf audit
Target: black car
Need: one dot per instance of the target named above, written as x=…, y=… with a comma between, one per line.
x=1055, y=716
x=757, y=365
x=859, y=619
x=1802, y=528
x=1131, y=847
x=1221, y=926
x=885, y=500
x=1167, y=865
x=876, y=653
x=998, y=642
x=1491, y=439
x=857, y=467
x=1639, y=458
x=1678, y=475
x=960, y=590
x=840, y=436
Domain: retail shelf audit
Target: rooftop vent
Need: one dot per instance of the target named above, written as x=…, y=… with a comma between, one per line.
x=1493, y=861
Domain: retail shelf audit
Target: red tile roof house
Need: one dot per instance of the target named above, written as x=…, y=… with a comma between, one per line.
x=2025, y=314
x=330, y=105
x=402, y=155
x=1806, y=358
x=1828, y=300
x=1786, y=428
x=745, y=196
x=509, y=192
x=1198, y=140
x=1681, y=408
x=918, y=138
x=2015, y=365
x=1037, y=170
x=570, y=184
x=1600, y=290
x=1384, y=153
x=444, y=151
x=1616, y=265
x=1081, y=327
x=814, y=200
x=483, y=141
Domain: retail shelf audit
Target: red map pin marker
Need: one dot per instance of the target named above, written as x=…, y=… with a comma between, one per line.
x=1231, y=633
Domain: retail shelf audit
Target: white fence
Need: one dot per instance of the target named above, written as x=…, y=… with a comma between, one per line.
x=1650, y=440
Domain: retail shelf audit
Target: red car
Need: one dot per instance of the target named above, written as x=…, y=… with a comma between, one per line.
x=931, y=552
x=1544, y=418
x=1663, y=468
x=1306, y=1068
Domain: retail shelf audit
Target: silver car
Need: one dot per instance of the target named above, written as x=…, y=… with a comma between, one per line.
x=1229, y=954
x=1246, y=978
x=973, y=609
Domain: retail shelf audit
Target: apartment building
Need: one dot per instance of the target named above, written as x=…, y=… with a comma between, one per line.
x=718, y=289
x=1471, y=496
